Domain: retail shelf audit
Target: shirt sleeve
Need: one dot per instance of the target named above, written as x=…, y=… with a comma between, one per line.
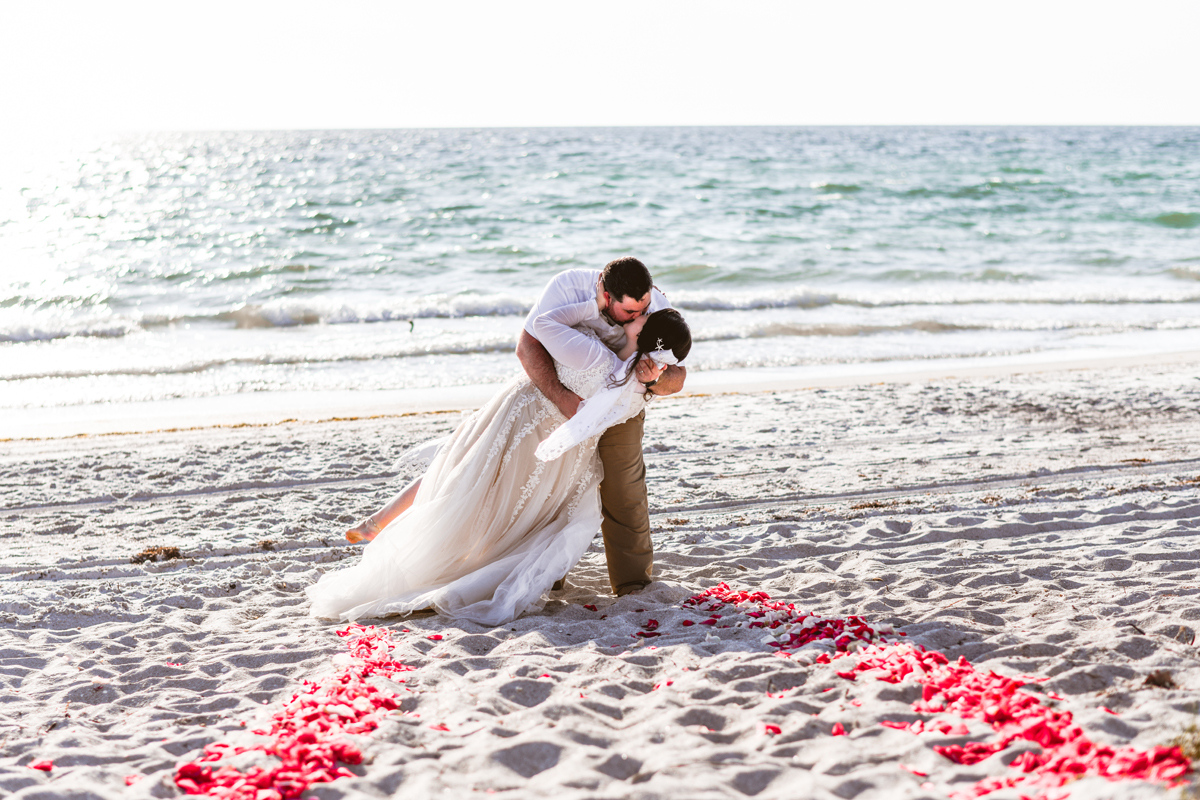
x=568, y=346
x=563, y=289
x=658, y=301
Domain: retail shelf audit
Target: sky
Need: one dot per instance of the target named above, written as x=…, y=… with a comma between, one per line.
x=132, y=66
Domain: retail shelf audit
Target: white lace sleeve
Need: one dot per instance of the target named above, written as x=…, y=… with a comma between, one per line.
x=567, y=345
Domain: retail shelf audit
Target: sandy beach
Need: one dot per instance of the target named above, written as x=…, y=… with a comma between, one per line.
x=1038, y=524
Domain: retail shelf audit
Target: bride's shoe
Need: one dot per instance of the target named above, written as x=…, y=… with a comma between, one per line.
x=364, y=531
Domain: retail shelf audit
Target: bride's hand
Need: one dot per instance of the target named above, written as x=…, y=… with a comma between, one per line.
x=634, y=327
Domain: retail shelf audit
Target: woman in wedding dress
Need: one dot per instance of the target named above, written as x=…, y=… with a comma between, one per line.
x=511, y=499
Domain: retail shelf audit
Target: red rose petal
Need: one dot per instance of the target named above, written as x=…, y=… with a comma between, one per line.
x=957, y=688
x=307, y=732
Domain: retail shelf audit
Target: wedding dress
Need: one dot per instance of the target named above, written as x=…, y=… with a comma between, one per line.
x=493, y=526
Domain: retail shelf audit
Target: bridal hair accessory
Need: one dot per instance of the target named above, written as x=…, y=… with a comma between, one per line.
x=664, y=358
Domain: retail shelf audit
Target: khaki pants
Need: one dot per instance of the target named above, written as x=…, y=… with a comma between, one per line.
x=626, y=526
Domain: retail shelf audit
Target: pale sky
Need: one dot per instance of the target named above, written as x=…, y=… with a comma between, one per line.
x=296, y=64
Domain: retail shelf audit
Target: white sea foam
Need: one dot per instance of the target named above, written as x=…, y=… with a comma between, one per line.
x=27, y=326
x=287, y=313
x=23, y=326
x=1066, y=294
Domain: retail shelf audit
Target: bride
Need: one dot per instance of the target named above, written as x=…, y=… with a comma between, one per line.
x=511, y=499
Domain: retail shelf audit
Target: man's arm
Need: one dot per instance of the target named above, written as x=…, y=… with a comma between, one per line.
x=670, y=382
x=539, y=366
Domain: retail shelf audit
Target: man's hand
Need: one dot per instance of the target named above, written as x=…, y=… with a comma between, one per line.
x=567, y=403
x=669, y=382
x=539, y=366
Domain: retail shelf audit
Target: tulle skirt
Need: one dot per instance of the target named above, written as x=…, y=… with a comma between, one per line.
x=491, y=528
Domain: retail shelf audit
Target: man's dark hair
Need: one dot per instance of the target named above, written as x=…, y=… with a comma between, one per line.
x=626, y=277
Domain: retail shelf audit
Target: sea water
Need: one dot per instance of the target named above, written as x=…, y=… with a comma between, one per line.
x=205, y=264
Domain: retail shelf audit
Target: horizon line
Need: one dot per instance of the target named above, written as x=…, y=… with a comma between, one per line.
x=951, y=125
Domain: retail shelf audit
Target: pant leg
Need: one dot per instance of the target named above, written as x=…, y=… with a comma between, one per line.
x=626, y=526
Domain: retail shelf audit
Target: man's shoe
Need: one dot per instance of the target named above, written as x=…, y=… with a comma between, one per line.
x=630, y=588
x=559, y=584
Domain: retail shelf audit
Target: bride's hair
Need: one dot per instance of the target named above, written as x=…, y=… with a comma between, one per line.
x=664, y=330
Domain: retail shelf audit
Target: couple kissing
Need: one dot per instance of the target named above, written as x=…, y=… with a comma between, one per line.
x=513, y=497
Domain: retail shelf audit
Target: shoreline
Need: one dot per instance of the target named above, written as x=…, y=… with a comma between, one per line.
x=277, y=408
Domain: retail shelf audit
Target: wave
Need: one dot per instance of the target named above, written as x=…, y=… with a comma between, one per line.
x=751, y=301
x=1178, y=219
x=987, y=189
x=779, y=329
x=275, y=314
x=418, y=350
x=986, y=275
x=495, y=344
x=505, y=343
x=1187, y=273
x=770, y=330
x=835, y=188
x=1128, y=177
x=291, y=313
x=960, y=296
x=992, y=288
x=45, y=330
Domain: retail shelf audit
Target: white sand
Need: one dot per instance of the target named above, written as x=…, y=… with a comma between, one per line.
x=1041, y=524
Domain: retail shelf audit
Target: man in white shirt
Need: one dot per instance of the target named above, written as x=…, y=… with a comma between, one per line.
x=623, y=291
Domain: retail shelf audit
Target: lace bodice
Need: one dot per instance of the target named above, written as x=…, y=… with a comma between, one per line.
x=587, y=382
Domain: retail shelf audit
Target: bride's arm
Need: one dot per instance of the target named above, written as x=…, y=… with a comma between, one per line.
x=567, y=345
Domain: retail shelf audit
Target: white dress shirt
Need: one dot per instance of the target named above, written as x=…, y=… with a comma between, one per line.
x=578, y=286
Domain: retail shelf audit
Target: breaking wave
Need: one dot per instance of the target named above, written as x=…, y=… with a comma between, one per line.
x=53, y=327
x=31, y=327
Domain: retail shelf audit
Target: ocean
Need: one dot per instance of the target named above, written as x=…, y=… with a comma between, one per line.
x=195, y=265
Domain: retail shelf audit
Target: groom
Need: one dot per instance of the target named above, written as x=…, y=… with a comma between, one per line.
x=623, y=291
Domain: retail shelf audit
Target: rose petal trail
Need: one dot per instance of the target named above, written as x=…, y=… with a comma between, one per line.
x=1067, y=753
x=958, y=688
x=309, y=734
